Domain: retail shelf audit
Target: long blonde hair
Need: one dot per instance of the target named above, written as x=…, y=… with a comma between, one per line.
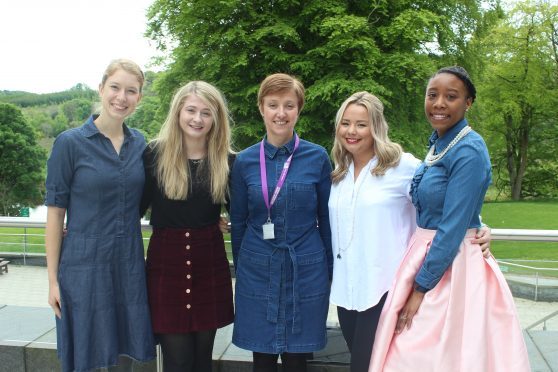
x=388, y=153
x=173, y=171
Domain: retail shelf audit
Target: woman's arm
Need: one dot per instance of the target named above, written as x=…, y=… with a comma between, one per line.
x=150, y=181
x=53, y=242
x=324, y=189
x=239, y=208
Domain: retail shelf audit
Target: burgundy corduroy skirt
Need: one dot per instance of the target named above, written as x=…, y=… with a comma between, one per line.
x=188, y=280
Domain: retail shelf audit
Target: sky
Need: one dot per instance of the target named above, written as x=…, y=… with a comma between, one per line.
x=51, y=45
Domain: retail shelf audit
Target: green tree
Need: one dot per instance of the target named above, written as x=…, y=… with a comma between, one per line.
x=22, y=165
x=77, y=110
x=520, y=97
x=149, y=115
x=26, y=99
x=335, y=47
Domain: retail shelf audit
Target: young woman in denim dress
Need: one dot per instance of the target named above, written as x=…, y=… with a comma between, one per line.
x=96, y=272
x=186, y=184
x=450, y=308
x=281, y=245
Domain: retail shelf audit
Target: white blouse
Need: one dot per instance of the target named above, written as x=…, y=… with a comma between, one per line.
x=372, y=221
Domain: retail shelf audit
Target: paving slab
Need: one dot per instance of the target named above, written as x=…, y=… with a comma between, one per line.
x=27, y=331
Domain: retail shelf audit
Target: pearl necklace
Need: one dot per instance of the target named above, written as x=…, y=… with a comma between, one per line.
x=431, y=159
x=354, y=199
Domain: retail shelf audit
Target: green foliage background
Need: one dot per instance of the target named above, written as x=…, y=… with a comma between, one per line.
x=338, y=47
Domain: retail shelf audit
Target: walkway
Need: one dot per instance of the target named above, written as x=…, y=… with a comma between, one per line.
x=27, y=331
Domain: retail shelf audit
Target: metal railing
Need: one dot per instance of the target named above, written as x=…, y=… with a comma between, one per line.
x=497, y=235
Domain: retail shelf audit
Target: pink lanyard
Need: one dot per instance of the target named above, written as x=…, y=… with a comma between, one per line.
x=263, y=174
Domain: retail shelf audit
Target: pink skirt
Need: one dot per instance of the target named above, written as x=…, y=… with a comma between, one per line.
x=468, y=322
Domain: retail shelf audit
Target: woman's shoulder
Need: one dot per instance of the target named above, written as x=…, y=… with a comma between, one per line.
x=136, y=134
x=470, y=144
x=231, y=159
x=248, y=152
x=70, y=137
x=313, y=147
x=150, y=153
x=408, y=163
x=409, y=159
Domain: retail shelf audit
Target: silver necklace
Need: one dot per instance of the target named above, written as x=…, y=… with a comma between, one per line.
x=354, y=198
x=431, y=159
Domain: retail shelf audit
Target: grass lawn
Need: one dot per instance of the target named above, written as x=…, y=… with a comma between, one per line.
x=12, y=240
x=538, y=215
x=541, y=215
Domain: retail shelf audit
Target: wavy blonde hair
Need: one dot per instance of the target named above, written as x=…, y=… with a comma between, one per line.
x=388, y=153
x=173, y=170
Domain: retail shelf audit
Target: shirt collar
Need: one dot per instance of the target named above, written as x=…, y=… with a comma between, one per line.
x=442, y=142
x=271, y=151
x=89, y=129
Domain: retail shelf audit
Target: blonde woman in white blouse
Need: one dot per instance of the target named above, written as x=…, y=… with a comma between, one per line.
x=371, y=217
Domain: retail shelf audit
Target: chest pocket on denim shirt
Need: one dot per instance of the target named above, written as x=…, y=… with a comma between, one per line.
x=302, y=196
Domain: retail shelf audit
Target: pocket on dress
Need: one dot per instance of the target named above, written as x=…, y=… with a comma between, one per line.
x=88, y=288
x=302, y=196
x=313, y=278
x=252, y=274
x=78, y=249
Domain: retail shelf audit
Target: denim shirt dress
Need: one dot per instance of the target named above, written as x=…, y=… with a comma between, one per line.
x=282, y=284
x=448, y=197
x=101, y=269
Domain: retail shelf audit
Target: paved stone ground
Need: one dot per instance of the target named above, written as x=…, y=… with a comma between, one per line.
x=25, y=288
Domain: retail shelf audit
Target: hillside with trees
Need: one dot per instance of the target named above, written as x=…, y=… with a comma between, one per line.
x=338, y=47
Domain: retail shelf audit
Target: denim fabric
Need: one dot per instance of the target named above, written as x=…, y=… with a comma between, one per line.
x=102, y=268
x=448, y=197
x=282, y=284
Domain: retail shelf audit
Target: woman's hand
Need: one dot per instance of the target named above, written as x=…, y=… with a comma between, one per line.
x=224, y=224
x=405, y=317
x=483, y=237
x=54, y=299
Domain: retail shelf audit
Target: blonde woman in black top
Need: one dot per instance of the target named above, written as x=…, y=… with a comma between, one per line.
x=188, y=277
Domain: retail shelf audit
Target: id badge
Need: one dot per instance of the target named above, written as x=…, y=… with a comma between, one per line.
x=268, y=230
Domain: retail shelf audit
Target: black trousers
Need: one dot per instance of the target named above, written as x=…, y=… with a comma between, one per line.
x=359, y=331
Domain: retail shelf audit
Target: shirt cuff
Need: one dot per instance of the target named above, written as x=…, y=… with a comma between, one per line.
x=419, y=288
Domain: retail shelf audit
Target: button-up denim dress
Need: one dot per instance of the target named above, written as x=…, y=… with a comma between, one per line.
x=282, y=284
x=101, y=269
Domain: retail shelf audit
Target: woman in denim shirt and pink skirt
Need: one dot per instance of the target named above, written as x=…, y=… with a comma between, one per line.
x=281, y=238
x=450, y=308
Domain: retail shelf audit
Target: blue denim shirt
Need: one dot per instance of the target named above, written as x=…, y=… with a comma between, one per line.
x=282, y=284
x=448, y=197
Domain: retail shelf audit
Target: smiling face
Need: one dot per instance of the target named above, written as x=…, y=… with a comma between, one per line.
x=195, y=118
x=354, y=132
x=447, y=99
x=280, y=114
x=120, y=95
